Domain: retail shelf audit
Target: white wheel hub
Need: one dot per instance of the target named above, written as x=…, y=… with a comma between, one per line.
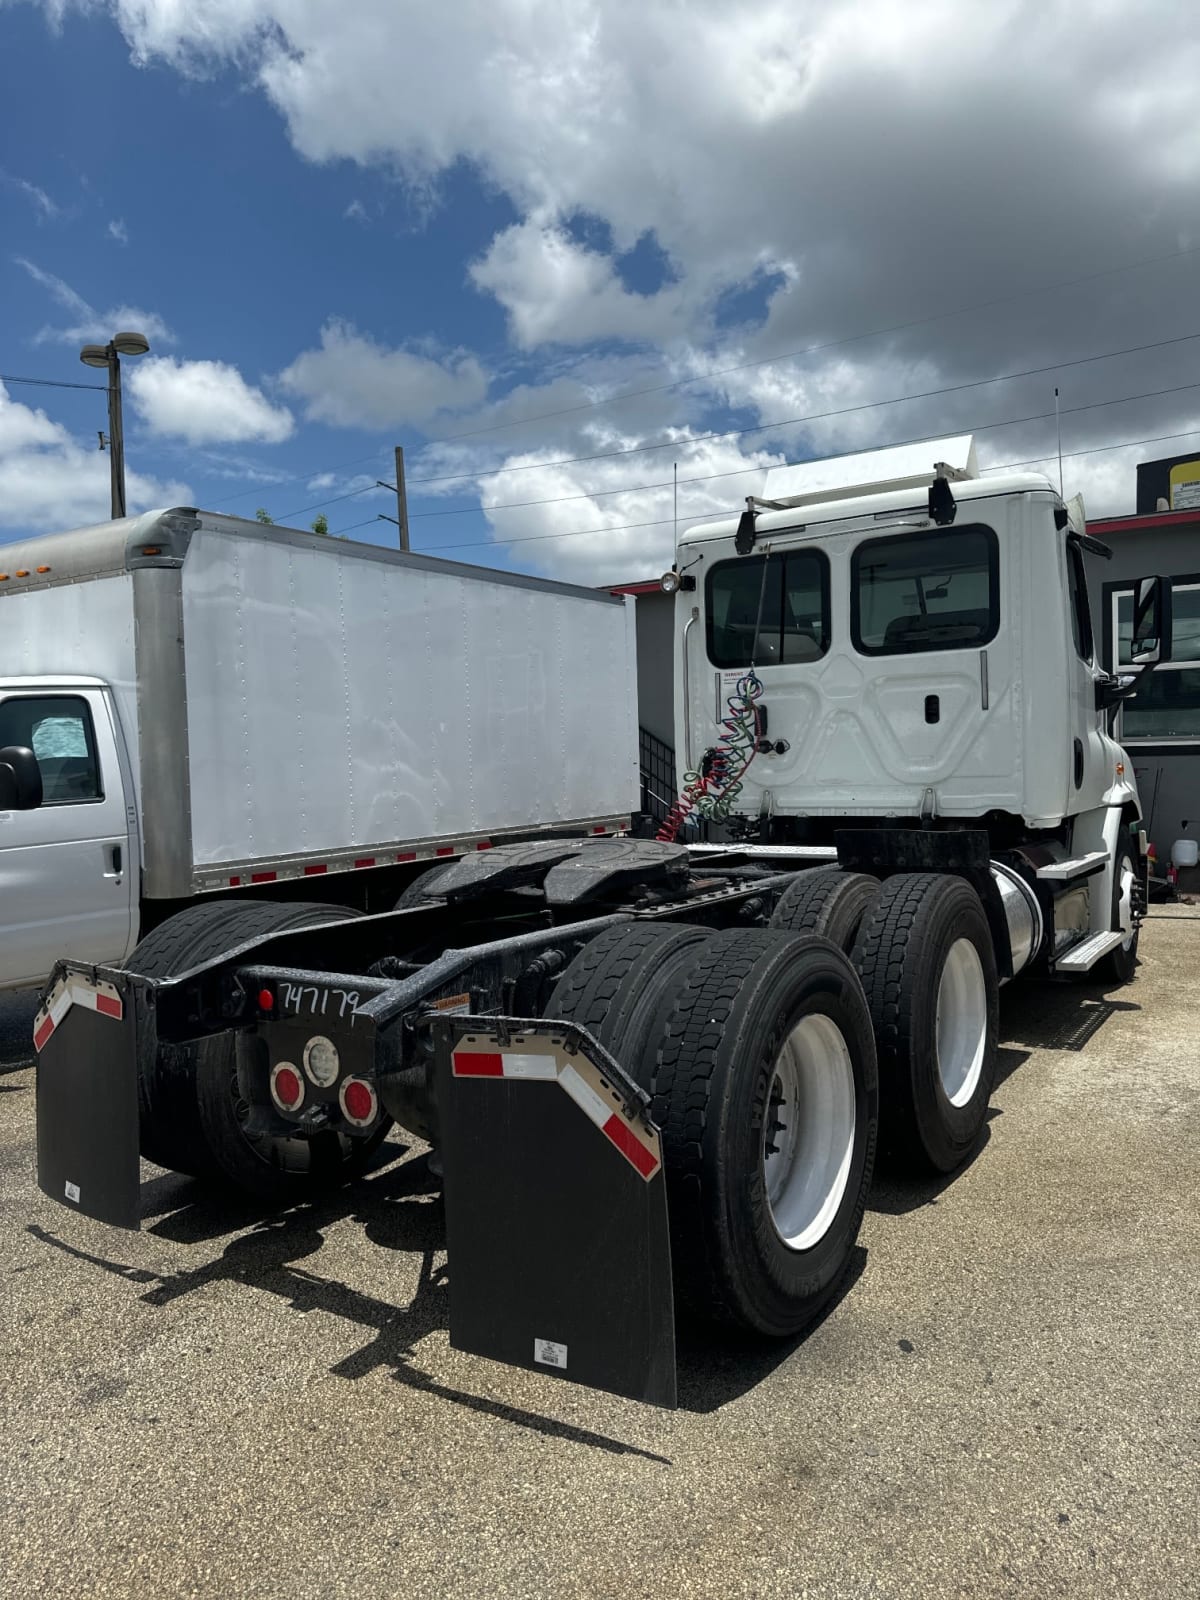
x=808, y=1133
x=1125, y=904
x=961, y=1022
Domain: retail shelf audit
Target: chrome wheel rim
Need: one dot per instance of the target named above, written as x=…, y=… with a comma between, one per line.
x=808, y=1132
x=961, y=1022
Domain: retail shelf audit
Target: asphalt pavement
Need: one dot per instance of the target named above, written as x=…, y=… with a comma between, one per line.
x=1003, y=1402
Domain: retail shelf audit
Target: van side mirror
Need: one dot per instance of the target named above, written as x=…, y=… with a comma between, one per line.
x=1151, y=641
x=20, y=779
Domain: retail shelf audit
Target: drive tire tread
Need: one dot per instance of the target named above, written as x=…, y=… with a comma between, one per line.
x=828, y=901
x=695, y=1055
x=895, y=949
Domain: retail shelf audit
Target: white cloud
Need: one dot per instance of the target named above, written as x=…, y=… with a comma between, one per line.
x=89, y=323
x=557, y=291
x=607, y=520
x=204, y=402
x=49, y=481
x=353, y=382
x=803, y=133
x=118, y=231
x=907, y=217
x=46, y=208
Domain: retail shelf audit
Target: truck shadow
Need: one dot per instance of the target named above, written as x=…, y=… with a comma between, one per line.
x=400, y=1209
x=1044, y=1015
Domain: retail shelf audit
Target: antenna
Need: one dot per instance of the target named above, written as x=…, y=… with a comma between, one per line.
x=1058, y=429
x=677, y=505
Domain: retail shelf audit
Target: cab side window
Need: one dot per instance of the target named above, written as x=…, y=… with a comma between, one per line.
x=1081, y=613
x=58, y=729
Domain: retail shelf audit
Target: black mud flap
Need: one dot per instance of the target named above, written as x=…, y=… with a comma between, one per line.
x=556, y=1207
x=87, y=1106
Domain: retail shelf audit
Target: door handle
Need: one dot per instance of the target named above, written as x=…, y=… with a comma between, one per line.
x=114, y=861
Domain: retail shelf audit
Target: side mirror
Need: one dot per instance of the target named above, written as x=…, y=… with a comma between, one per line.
x=1151, y=640
x=20, y=779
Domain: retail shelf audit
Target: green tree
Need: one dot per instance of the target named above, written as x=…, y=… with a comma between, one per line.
x=263, y=515
x=320, y=523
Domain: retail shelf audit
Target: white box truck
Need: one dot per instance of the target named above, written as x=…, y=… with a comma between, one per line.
x=222, y=708
x=658, y=1072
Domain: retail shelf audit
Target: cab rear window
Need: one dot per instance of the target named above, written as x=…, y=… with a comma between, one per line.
x=925, y=591
x=768, y=610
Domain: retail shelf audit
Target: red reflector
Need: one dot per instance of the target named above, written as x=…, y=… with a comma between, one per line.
x=266, y=1000
x=407, y=855
x=358, y=1100
x=259, y=877
x=311, y=872
x=484, y=844
x=445, y=850
x=288, y=1088
x=477, y=1064
x=367, y=861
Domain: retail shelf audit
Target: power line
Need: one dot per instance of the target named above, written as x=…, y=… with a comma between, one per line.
x=816, y=349
x=619, y=527
x=786, y=422
x=1096, y=450
x=791, y=422
x=741, y=472
x=900, y=327
x=53, y=383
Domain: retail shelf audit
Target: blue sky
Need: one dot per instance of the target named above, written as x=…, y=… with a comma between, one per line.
x=476, y=231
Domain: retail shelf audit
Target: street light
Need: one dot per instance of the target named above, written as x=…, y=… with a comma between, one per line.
x=109, y=355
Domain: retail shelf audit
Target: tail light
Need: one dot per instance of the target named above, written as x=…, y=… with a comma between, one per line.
x=287, y=1086
x=359, y=1103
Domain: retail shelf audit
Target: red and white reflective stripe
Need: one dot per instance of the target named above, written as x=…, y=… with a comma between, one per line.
x=384, y=858
x=617, y=1128
x=611, y=1125
x=503, y=1064
x=74, y=991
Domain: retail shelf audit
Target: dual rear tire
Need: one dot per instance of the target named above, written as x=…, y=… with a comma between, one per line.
x=923, y=949
x=772, y=1058
x=756, y=1051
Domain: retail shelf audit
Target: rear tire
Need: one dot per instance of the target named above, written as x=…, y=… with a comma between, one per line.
x=924, y=953
x=827, y=901
x=188, y=1112
x=757, y=1025
x=620, y=975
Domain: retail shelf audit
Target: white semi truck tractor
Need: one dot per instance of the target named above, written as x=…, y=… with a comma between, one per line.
x=657, y=1071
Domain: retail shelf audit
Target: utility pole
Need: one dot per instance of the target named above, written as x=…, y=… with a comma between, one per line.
x=401, y=497
x=109, y=355
x=401, y=520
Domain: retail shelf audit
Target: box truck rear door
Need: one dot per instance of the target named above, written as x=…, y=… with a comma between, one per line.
x=66, y=878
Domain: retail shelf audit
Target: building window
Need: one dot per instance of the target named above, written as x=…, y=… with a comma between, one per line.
x=768, y=611
x=925, y=591
x=1167, y=704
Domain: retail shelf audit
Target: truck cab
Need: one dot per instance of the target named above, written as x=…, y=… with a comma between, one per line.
x=923, y=654
x=68, y=864
x=908, y=669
